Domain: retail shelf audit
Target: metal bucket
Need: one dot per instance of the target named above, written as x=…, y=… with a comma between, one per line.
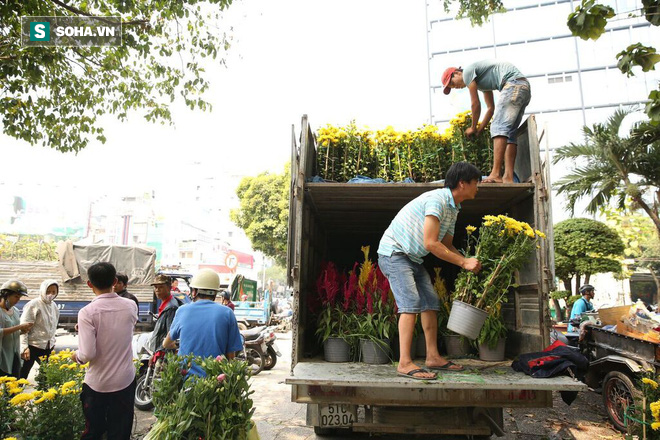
x=374, y=352
x=492, y=354
x=336, y=350
x=466, y=319
x=420, y=346
x=457, y=346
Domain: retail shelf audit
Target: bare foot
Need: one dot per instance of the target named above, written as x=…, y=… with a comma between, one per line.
x=507, y=180
x=492, y=179
x=441, y=362
x=410, y=367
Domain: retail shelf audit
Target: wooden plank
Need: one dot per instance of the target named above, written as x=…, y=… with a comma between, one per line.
x=477, y=376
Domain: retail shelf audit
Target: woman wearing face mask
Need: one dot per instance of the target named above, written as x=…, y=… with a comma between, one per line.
x=44, y=314
x=10, y=326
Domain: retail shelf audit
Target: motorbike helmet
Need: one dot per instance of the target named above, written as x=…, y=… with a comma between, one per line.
x=226, y=295
x=586, y=288
x=14, y=286
x=206, y=279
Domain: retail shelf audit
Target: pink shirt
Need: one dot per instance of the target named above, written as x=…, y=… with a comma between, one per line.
x=105, y=329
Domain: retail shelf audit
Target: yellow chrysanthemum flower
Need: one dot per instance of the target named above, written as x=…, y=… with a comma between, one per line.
x=22, y=381
x=10, y=438
x=20, y=399
x=651, y=382
x=4, y=379
x=655, y=426
x=470, y=229
x=540, y=234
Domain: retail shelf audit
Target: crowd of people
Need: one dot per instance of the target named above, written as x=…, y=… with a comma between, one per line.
x=105, y=328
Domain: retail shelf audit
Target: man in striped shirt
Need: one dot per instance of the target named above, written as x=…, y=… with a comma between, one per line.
x=425, y=225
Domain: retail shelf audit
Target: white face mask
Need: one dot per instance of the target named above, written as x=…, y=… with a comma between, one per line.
x=51, y=297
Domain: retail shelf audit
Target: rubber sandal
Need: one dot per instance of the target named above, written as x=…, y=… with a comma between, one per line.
x=447, y=367
x=411, y=374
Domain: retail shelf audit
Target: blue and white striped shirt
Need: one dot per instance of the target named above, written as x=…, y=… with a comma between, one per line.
x=406, y=232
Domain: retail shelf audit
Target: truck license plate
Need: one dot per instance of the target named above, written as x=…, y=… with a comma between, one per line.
x=337, y=415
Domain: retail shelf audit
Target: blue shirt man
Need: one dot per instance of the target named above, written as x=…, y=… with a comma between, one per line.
x=204, y=328
x=583, y=304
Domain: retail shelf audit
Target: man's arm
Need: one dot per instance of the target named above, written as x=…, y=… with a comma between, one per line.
x=169, y=342
x=490, y=104
x=476, y=107
x=86, y=339
x=440, y=250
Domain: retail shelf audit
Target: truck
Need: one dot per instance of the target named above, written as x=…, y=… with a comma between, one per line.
x=331, y=222
x=250, y=310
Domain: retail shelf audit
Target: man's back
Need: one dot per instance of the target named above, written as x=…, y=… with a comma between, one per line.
x=205, y=328
x=105, y=332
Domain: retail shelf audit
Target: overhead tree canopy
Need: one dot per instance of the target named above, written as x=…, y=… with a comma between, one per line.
x=585, y=247
x=54, y=95
x=264, y=212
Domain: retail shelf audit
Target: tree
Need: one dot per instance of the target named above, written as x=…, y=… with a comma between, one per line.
x=55, y=95
x=608, y=166
x=264, y=212
x=585, y=247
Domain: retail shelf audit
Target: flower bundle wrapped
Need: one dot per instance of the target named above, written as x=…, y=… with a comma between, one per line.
x=503, y=245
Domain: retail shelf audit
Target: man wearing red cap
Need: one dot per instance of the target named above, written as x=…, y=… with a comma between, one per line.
x=515, y=94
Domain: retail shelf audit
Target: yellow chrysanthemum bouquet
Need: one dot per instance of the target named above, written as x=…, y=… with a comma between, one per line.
x=503, y=245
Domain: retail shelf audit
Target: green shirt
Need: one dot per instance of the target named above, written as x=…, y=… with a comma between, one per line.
x=9, y=344
x=490, y=74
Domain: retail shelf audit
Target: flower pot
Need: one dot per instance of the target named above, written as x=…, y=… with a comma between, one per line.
x=466, y=319
x=336, y=350
x=419, y=346
x=457, y=346
x=395, y=348
x=492, y=354
x=375, y=352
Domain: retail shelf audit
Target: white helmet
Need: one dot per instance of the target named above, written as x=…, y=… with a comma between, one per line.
x=206, y=279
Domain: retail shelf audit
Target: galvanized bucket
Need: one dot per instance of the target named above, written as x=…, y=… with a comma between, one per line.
x=466, y=319
x=457, y=346
x=375, y=352
x=492, y=354
x=336, y=350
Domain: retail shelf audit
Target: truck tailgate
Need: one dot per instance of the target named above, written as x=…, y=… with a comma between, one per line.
x=480, y=384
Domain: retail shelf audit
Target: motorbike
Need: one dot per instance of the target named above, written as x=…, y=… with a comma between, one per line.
x=254, y=349
x=571, y=339
x=151, y=365
x=272, y=352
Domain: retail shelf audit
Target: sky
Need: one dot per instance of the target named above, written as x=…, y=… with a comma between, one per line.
x=333, y=60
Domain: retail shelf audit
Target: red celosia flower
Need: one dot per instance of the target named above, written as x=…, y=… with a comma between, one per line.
x=350, y=288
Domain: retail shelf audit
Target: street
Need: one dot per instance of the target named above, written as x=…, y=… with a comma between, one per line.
x=278, y=418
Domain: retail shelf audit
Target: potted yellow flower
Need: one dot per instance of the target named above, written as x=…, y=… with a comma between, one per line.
x=502, y=245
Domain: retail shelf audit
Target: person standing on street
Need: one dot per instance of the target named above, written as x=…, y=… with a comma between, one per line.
x=205, y=328
x=226, y=300
x=44, y=314
x=120, y=289
x=10, y=326
x=425, y=225
x=515, y=94
x=105, y=329
x=168, y=306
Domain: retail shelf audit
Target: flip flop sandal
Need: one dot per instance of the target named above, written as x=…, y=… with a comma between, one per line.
x=411, y=374
x=447, y=367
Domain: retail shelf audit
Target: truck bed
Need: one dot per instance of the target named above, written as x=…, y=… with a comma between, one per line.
x=485, y=384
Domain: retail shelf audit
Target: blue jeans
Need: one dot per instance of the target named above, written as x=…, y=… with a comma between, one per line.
x=410, y=283
x=510, y=108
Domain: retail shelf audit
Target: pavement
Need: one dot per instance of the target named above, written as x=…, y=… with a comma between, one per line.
x=278, y=418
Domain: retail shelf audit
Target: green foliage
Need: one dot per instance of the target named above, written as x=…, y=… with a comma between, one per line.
x=264, y=212
x=652, y=11
x=585, y=246
x=589, y=19
x=493, y=330
x=560, y=294
x=217, y=406
x=636, y=230
x=652, y=108
x=477, y=11
x=26, y=248
x=423, y=155
x=637, y=55
x=55, y=95
x=571, y=300
x=59, y=369
x=609, y=166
